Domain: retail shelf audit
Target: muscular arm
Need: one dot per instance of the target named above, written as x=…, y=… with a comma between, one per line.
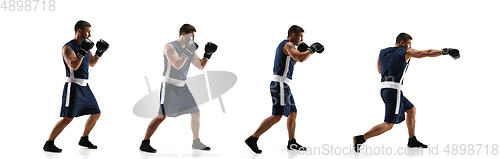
x=199, y=63
x=93, y=60
x=70, y=58
x=173, y=57
x=422, y=53
x=294, y=53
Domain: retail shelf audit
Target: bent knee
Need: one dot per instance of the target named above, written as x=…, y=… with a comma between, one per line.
x=276, y=118
x=67, y=119
x=196, y=115
x=389, y=125
x=412, y=110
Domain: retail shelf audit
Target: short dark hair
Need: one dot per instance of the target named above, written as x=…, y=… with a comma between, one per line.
x=186, y=28
x=294, y=29
x=82, y=24
x=403, y=37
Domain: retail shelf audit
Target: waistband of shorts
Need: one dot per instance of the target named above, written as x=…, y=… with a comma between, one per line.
x=279, y=78
x=391, y=84
x=79, y=81
x=175, y=82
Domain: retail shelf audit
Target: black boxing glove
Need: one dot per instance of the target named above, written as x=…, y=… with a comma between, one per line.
x=302, y=47
x=210, y=48
x=189, y=49
x=102, y=46
x=85, y=46
x=316, y=47
x=454, y=53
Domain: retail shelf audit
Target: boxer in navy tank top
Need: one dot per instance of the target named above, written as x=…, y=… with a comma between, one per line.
x=175, y=97
x=286, y=56
x=77, y=98
x=392, y=65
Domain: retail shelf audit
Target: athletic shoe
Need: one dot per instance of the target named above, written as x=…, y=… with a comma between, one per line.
x=252, y=143
x=50, y=147
x=292, y=144
x=200, y=146
x=414, y=143
x=84, y=141
x=358, y=140
x=146, y=147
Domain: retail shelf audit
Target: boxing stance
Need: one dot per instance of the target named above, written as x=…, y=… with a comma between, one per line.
x=283, y=103
x=392, y=65
x=78, y=99
x=175, y=97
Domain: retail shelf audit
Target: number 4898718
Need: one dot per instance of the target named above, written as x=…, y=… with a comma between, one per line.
x=27, y=5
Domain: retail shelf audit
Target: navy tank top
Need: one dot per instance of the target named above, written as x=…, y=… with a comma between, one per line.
x=170, y=71
x=83, y=70
x=392, y=64
x=283, y=64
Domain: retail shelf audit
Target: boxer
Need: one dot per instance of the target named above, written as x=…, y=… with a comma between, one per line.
x=392, y=65
x=283, y=103
x=175, y=97
x=78, y=99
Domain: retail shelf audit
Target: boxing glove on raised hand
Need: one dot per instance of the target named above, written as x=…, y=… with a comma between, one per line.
x=210, y=48
x=85, y=46
x=316, y=47
x=189, y=49
x=302, y=47
x=102, y=46
x=454, y=53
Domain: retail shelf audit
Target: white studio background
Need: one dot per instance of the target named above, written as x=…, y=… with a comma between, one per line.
x=337, y=92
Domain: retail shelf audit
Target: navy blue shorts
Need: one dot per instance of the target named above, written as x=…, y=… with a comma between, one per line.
x=177, y=101
x=283, y=103
x=389, y=96
x=81, y=101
